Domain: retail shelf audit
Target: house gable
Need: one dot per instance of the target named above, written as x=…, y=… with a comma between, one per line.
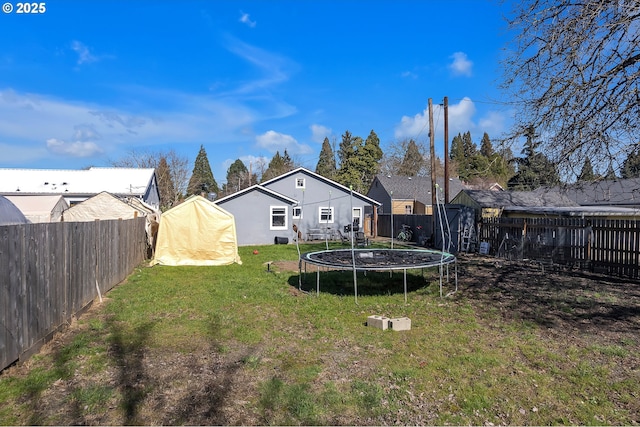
x=261, y=214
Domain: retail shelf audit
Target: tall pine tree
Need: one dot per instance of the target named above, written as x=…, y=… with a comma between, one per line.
x=166, y=188
x=586, y=174
x=278, y=165
x=631, y=165
x=413, y=160
x=327, y=161
x=534, y=169
x=202, y=180
x=371, y=154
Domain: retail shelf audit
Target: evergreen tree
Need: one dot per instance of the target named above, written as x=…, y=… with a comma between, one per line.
x=237, y=177
x=631, y=165
x=166, y=188
x=486, y=148
x=611, y=174
x=370, y=156
x=587, y=171
x=413, y=160
x=287, y=162
x=326, y=162
x=464, y=155
x=278, y=166
x=202, y=180
x=457, y=150
x=534, y=169
x=468, y=146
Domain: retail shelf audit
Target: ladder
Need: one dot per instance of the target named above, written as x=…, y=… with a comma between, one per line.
x=467, y=239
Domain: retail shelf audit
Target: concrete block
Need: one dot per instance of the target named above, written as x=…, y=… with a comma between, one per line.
x=400, y=324
x=379, y=322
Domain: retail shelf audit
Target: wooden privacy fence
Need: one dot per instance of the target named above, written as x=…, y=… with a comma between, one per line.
x=600, y=245
x=51, y=271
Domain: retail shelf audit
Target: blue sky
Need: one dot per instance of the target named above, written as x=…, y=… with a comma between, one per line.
x=87, y=81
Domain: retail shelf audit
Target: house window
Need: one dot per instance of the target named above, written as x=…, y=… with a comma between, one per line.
x=299, y=182
x=408, y=209
x=326, y=215
x=296, y=212
x=278, y=218
x=357, y=216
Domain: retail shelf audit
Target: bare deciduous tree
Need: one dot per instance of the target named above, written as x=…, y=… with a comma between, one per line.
x=178, y=170
x=573, y=70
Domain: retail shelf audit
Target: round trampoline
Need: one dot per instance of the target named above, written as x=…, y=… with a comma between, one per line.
x=378, y=260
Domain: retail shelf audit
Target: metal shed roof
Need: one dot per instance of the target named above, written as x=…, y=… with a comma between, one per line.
x=120, y=181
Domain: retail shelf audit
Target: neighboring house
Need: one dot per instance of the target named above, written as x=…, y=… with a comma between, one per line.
x=616, y=192
x=488, y=203
x=407, y=195
x=40, y=208
x=324, y=204
x=298, y=204
x=78, y=185
x=261, y=215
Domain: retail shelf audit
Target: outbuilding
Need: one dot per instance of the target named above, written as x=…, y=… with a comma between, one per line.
x=196, y=232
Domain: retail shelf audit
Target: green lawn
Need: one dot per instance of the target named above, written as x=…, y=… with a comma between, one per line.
x=242, y=345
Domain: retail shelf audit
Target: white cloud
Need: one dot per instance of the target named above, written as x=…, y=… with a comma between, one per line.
x=84, y=54
x=461, y=65
x=274, y=141
x=319, y=133
x=409, y=75
x=74, y=149
x=244, y=18
x=461, y=120
x=275, y=68
x=71, y=125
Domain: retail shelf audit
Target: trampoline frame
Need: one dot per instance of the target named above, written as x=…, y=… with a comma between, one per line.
x=445, y=259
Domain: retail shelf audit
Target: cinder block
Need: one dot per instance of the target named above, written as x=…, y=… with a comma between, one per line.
x=379, y=322
x=400, y=324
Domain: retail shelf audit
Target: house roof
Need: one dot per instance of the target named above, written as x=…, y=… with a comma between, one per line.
x=416, y=187
x=260, y=188
x=619, y=192
x=120, y=181
x=493, y=199
x=577, y=211
x=324, y=179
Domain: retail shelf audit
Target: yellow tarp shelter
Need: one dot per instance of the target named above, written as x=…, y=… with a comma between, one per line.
x=196, y=232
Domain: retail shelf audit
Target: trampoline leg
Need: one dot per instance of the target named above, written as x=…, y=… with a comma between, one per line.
x=405, y=285
x=318, y=282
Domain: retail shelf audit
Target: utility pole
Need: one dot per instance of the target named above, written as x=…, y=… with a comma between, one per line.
x=446, y=149
x=434, y=200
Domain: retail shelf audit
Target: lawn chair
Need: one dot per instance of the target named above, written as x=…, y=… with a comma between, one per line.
x=344, y=239
x=361, y=239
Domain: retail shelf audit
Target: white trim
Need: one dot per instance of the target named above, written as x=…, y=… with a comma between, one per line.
x=331, y=214
x=271, y=217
